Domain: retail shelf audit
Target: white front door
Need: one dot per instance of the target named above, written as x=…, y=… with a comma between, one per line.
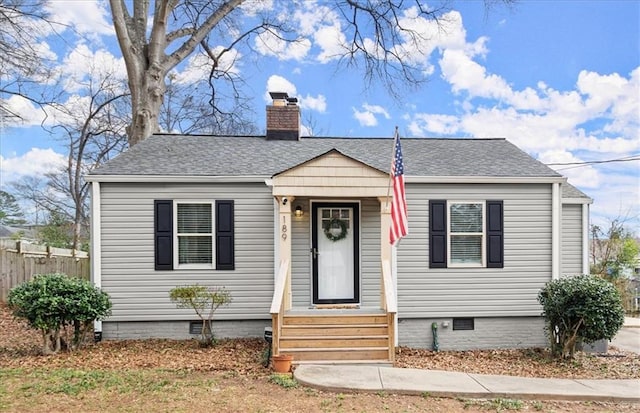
x=335, y=251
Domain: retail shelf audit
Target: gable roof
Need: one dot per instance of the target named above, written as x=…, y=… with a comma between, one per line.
x=229, y=156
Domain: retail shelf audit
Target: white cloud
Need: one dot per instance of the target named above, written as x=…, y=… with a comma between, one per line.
x=331, y=41
x=83, y=64
x=253, y=7
x=29, y=114
x=585, y=176
x=36, y=162
x=598, y=119
x=88, y=17
x=367, y=116
x=272, y=43
x=277, y=83
x=317, y=103
x=427, y=124
x=199, y=66
x=422, y=36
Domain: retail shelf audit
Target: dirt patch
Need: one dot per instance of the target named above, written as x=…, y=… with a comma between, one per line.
x=170, y=375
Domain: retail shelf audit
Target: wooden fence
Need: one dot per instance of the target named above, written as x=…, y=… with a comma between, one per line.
x=20, y=261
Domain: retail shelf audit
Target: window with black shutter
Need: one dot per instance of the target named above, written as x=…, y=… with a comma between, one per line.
x=466, y=234
x=188, y=232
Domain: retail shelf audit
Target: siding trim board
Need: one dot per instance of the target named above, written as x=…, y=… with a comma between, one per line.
x=96, y=244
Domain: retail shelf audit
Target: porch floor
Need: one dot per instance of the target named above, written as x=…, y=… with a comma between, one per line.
x=337, y=310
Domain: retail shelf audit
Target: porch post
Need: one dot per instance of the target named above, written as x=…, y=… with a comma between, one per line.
x=385, y=246
x=284, y=234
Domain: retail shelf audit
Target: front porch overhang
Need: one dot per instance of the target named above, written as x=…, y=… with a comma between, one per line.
x=332, y=176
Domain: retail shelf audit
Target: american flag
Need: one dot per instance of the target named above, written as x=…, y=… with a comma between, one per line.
x=399, y=225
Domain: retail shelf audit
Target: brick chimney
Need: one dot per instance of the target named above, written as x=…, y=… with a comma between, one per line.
x=283, y=118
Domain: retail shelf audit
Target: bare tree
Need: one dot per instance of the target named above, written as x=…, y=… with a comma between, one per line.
x=201, y=108
x=93, y=129
x=23, y=62
x=378, y=39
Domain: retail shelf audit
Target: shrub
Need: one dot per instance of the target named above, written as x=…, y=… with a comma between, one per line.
x=204, y=301
x=52, y=302
x=584, y=307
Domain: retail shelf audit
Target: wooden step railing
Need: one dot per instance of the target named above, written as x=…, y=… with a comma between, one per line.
x=279, y=304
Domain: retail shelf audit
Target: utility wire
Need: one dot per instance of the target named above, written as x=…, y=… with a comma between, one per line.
x=572, y=165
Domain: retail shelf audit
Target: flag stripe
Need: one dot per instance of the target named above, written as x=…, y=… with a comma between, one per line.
x=399, y=224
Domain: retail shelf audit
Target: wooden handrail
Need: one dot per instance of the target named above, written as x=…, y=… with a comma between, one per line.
x=389, y=296
x=278, y=291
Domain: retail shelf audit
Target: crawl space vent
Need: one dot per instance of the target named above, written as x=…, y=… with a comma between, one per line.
x=195, y=327
x=463, y=324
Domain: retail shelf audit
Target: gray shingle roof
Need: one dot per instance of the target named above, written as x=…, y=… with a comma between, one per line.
x=180, y=155
x=570, y=191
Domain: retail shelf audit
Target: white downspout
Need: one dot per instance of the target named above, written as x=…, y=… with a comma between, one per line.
x=556, y=223
x=585, y=239
x=96, y=246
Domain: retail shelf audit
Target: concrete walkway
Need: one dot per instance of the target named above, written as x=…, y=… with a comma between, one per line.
x=628, y=338
x=345, y=378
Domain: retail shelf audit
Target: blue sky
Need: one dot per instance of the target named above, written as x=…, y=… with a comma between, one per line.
x=560, y=79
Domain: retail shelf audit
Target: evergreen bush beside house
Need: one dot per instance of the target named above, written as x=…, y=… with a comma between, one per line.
x=583, y=308
x=53, y=302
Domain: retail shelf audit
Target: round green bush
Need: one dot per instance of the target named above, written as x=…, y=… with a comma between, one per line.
x=51, y=302
x=582, y=308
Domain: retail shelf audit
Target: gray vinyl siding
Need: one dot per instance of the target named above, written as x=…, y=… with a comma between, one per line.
x=301, y=256
x=478, y=292
x=139, y=293
x=571, y=239
x=370, y=252
x=301, y=284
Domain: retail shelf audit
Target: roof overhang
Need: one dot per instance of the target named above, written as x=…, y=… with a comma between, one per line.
x=484, y=179
x=586, y=200
x=176, y=178
x=262, y=178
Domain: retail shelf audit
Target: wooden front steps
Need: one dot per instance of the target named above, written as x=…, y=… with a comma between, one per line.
x=335, y=338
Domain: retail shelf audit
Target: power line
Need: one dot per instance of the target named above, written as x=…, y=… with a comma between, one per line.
x=572, y=165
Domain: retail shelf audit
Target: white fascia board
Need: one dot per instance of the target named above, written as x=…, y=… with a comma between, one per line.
x=413, y=179
x=577, y=200
x=176, y=178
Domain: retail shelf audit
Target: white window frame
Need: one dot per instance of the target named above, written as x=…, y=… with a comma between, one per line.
x=176, y=235
x=483, y=234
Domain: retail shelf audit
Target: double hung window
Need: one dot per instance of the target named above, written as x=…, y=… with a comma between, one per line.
x=466, y=234
x=194, y=223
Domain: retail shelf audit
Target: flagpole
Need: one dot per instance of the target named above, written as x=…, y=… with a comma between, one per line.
x=393, y=151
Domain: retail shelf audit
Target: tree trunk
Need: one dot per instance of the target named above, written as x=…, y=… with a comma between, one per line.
x=146, y=100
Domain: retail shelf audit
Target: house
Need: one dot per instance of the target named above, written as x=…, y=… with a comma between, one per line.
x=297, y=230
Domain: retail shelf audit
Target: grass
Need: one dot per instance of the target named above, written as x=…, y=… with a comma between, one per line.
x=499, y=404
x=73, y=382
x=285, y=380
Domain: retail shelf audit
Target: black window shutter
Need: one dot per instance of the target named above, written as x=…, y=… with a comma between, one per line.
x=495, y=234
x=224, y=236
x=437, y=234
x=163, y=222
